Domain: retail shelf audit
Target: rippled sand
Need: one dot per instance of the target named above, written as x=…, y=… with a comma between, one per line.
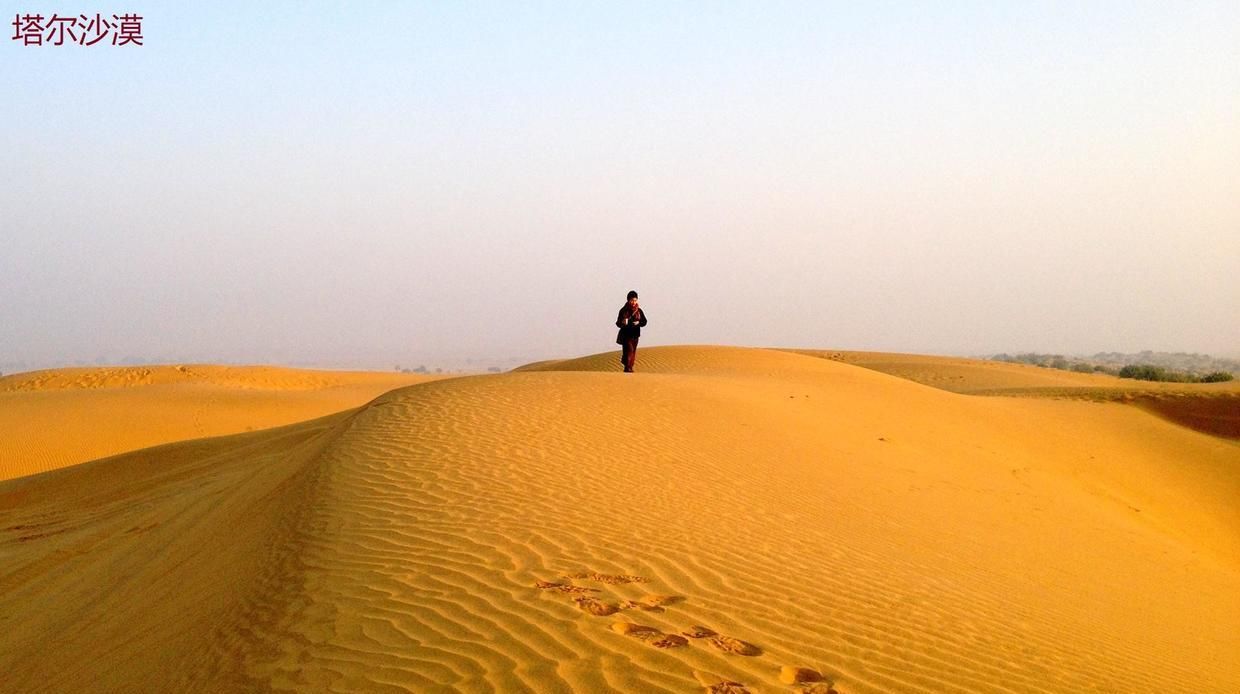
x=725, y=519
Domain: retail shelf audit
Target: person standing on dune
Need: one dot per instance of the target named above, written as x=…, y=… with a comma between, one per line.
x=630, y=321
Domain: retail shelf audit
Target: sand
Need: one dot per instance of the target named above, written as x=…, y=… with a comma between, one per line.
x=725, y=519
x=59, y=417
x=1213, y=408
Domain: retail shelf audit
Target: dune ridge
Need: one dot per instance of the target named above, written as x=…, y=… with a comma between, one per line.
x=273, y=377
x=724, y=518
x=59, y=417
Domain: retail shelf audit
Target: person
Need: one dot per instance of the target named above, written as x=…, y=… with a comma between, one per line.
x=630, y=321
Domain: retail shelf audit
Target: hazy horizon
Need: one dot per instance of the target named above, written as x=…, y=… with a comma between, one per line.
x=365, y=185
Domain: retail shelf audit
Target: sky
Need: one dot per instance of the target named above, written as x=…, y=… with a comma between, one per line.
x=366, y=184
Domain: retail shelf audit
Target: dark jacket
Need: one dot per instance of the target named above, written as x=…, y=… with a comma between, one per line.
x=630, y=326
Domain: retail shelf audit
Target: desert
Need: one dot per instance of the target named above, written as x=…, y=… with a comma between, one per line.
x=728, y=519
x=639, y=347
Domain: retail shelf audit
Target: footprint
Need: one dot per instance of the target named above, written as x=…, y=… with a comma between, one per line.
x=726, y=644
x=612, y=579
x=631, y=629
x=649, y=635
x=598, y=608
x=669, y=641
x=715, y=684
x=798, y=675
x=564, y=587
x=811, y=681
x=651, y=603
x=699, y=632
x=818, y=688
x=733, y=646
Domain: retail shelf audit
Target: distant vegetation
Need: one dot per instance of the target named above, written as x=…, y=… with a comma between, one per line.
x=1149, y=372
x=1057, y=361
x=1177, y=367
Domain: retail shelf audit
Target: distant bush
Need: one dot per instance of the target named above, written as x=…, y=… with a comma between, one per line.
x=1046, y=361
x=1144, y=366
x=1149, y=372
x=1178, y=366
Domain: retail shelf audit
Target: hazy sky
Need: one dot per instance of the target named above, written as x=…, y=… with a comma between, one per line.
x=361, y=183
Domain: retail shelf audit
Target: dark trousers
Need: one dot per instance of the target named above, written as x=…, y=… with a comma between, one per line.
x=629, y=354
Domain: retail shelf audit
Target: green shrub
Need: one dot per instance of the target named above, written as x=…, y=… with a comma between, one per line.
x=1146, y=372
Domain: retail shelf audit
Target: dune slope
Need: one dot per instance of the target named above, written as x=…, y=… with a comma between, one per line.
x=59, y=417
x=1213, y=408
x=718, y=516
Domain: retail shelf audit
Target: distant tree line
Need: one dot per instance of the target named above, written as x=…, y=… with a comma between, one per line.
x=1177, y=361
x=1149, y=372
x=419, y=370
x=1176, y=367
x=1056, y=361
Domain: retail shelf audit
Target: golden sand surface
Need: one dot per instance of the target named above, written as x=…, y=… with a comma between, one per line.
x=58, y=417
x=726, y=519
x=1213, y=408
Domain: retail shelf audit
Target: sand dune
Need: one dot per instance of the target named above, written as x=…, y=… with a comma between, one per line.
x=984, y=377
x=726, y=519
x=973, y=376
x=50, y=419
x=1213, y=408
